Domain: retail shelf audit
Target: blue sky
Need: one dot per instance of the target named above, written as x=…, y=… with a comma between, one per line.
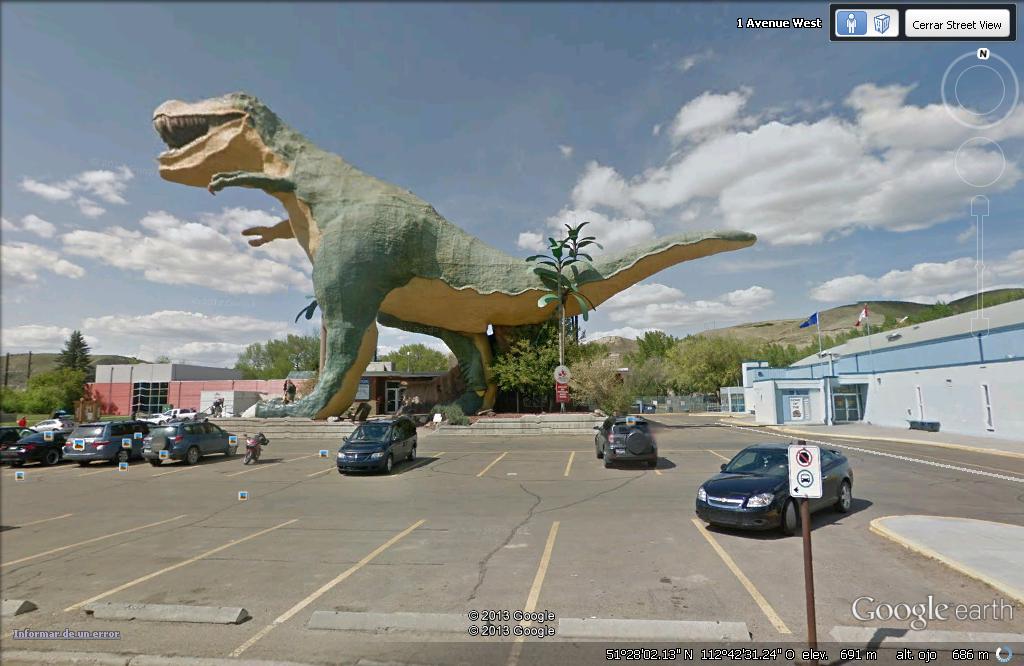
x=645, y=119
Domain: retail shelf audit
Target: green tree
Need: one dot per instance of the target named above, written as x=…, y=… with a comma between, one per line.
x=596, y=382
x=417, y=358
x=75, y=355
x=652, y=344
x=47, y=392
x=650, y=377
x=702, y=364
x=274, y=359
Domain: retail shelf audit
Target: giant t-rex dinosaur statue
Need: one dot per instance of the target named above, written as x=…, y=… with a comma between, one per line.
x=379, y=252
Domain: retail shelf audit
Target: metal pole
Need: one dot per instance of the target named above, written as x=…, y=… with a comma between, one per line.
x=28, y=371
x=812, y=625
x=7, y=367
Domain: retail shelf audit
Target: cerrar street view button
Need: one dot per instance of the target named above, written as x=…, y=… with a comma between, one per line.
x=957, y=22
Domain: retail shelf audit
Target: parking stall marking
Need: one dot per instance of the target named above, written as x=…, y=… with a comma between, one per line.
x=492, y=464
x=179, y=469
x=88, y=541
x=717, y=454
x=256, y=467
x=568, y=465
x=534, y=595
x=324, y=589
x=323, y=471
x=183, y=563
x=99, y=471
x=896, y=456
x=766, y=607
x=45, y=520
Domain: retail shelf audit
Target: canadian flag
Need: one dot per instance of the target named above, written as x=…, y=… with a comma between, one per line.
x=863, y=315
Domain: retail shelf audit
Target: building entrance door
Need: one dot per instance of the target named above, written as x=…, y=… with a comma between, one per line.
x=846, y=406
x=393, y=393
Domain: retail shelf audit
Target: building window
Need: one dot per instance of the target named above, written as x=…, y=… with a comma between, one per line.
x=986, y=405
x=149, y=397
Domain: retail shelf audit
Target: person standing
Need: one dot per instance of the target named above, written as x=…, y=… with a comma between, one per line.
x=22, y=422
x=291, y=391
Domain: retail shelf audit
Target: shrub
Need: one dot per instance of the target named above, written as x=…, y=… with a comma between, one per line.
x=453, y=414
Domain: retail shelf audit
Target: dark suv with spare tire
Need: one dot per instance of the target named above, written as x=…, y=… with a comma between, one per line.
x=626, y=439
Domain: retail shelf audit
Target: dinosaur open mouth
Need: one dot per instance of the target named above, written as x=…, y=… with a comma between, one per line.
x=179, y=131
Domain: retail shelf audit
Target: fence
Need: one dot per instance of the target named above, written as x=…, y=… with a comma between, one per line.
x=664, y=404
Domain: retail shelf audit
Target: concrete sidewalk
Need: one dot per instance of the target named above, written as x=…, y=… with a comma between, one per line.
x=984, y=550
x=868, y=432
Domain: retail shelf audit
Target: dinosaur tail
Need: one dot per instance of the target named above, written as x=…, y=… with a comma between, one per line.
x=608, y=276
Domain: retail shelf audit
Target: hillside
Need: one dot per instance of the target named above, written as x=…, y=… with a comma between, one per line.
x=834, y=320
x=17, y=374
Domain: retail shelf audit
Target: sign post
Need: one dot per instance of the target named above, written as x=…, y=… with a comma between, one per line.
x=561, y=393
x=805, y=484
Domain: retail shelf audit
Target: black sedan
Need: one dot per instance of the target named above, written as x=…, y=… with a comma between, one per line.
x=378, y=445
x=752, y=490
x=33, y=447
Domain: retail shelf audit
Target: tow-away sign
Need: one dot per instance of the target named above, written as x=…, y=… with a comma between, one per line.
x=804, y=471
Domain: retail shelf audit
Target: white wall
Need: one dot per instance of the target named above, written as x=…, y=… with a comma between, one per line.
x=957, y=403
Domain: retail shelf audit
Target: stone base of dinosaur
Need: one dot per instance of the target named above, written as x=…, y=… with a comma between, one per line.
x=382, y=254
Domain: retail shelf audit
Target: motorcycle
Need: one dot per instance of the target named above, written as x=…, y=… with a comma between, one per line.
x=253, y=447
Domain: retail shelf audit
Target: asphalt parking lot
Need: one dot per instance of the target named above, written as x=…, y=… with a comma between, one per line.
x=476, y=524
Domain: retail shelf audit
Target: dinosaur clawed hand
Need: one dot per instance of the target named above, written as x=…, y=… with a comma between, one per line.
x=263, y=233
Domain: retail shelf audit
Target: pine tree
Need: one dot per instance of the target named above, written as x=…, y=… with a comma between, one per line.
x=75, y=355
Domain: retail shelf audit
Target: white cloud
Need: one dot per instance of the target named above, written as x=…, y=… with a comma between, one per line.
x=966, y=235
x=686, y=63
x=707, y=113
x=656, y=130
x=38, y=226
x=531, y=240
x=174, y=251
x=891, y=167
x=23, y=262
x=106, y=185
x=34, y=337
x=623, y=332
x=612, y=233
x=565, y=150
x=654, y=305
x=232, y=221
x=926, y=282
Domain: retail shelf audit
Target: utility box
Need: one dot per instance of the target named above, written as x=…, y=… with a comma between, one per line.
x=235, y=402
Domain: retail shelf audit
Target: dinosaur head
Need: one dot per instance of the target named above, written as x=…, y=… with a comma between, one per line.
x=228, y=133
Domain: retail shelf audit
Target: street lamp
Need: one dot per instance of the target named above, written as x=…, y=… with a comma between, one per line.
x=408, y=361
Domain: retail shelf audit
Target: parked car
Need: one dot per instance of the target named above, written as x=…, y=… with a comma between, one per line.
x=752, y=490
x=625, y=439
x=33, y=447
x=377, y=445
x=183, y=414
x=186, y=440
x=11, y=434
x=62, y=425
x=103, y=441
x=648, y=408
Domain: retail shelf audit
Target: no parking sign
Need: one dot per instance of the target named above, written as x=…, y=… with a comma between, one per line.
x=804, y=471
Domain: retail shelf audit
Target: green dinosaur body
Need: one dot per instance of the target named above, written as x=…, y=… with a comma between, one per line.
x=379, y=252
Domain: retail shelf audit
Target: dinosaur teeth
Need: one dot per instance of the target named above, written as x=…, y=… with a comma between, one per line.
x=178, y=131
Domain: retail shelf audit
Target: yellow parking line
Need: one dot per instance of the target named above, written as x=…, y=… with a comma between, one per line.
x=534, y=595
x=568, y=465
x=183, y=563
x=45, y=520
x=766, y=607
x=493, y=463
x=717, y=454
x=88, y=541
x=324, y=589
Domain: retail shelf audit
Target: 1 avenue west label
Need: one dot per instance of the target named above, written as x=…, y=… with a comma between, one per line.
x=797, y=22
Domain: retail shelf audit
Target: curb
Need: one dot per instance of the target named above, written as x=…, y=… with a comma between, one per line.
x=13, y=607
x=941, y=445
x=167, y=613
x=878, y=528
x=112, y=659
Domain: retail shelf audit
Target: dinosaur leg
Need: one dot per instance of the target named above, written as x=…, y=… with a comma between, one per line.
x=473, y=352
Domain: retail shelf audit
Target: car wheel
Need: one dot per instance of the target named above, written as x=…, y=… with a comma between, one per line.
x=83, y=463
x=192, y=455
x=154, y=463
x=122, y=456
x=845, y=500
x=607, y=462
x=389, y=464
x=412, y=453
x=598, y=451
x=653, y=464
x=789, y=521
x=51, y=458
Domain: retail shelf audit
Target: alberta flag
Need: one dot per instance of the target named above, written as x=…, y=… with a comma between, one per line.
x=811, y=321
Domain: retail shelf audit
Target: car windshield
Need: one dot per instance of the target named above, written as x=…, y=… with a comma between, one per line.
x=87, y=431
x=369, y=431
x=763, y=462
x=163, y=431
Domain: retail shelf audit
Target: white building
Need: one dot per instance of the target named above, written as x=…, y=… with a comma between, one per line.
x=964, y=373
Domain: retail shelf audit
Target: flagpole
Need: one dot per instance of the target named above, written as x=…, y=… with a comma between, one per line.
x=817, y=322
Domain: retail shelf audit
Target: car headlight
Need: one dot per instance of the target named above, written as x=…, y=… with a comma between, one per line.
x=341, y=454
x=376, y=455
x=764, y=499
x=702, y=494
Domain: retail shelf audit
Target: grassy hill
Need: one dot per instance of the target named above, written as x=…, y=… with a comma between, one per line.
x=17, y=374
x=834, y=320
